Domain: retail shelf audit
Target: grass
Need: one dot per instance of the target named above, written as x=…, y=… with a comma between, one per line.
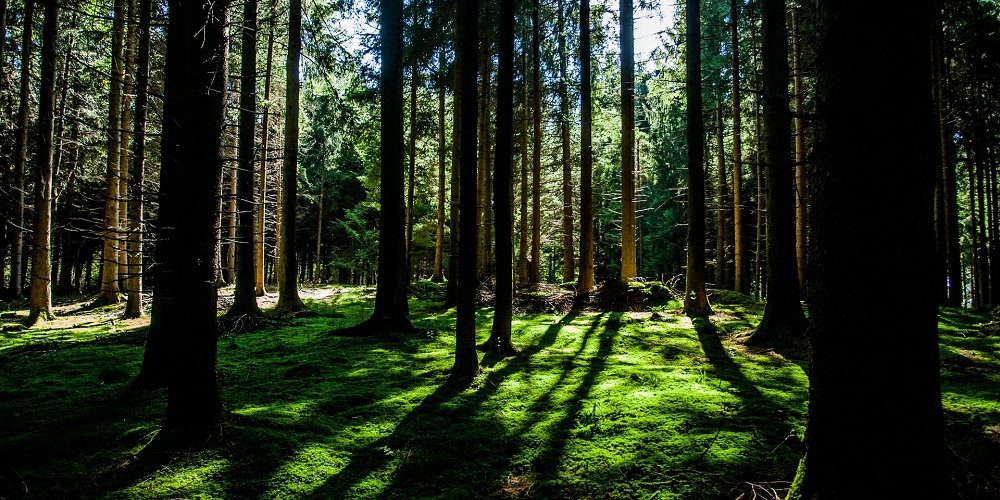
x=597, y=405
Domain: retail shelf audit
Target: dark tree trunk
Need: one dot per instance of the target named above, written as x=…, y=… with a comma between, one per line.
x=534, y=273
x=183, y=321
x=467, y=36
x=500, y=341
x=411, y=172
x=696, y=272
x=586, y=156
x=524, y=234
x=742, y=278
x=109, y=255
x=21, y=155
x=568, y=270
x=722, y=219
x=783, y=319
x=628, y=138
x=265, y=129
x=133, y=304
x=288, y=293
x=949, y=184
x=856, y=157
x=40, y=300
x=451, y=294
x=438, y=275
x=801, y=225
x=244, y=293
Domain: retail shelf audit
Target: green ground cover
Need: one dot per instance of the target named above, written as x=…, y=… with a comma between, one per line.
x=597, y=405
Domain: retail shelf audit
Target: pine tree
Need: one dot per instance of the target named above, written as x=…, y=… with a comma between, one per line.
x=695, y=280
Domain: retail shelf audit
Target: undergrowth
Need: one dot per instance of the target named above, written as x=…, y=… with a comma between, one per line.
x=596, y=405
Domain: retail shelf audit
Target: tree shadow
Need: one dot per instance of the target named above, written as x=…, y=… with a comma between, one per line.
x=724, y=366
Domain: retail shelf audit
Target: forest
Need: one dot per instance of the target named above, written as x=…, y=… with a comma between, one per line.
x=699, y=249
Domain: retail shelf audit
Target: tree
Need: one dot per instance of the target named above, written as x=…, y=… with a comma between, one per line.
x=500, y=341
x=742, y=280
x=628, y=139
x=534, y=273
x=586, y=156
x=21, y=152
x=288, y=293
x=184, y=299
x=439, y=228
x=860, y=230
x=695, y=280
x=112, y=230
x=466, y=42
x=133, y=304
x=265, y=129
x=783, y=318
x=567, y=163
x=800, y=154
x=244, y=294
x=40, y=300
x=723, y=233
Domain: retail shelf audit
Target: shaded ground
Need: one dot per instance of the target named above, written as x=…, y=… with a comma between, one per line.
x=631, y=404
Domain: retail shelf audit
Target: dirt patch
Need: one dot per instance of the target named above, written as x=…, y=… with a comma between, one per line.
x=543, y=298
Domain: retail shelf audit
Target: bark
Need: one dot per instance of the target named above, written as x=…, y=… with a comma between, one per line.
x=319, y=231
x=500, y=336
x=742, y=278
x=760, y=259
x=722, y=219
x=483, y=175
x=288, y=294
x=21, y=155
x=262, y=172
x=451, y=294
x=40, y=300
x=568, y=270
x=535, y=275
x=411, y=172
x=438, y=275
x=902, y=423
x=949, y=178
x=586, y=156
x=108, y=293
x=229, y=220
x=783, y=319
x=244, y=293
x=628, y=139
x=70, y=249
x=133, y=304
x=696, y=272
x=523, y=234
x=183, y=320
x=800, y=156
x=128, y=62
x=467, y=34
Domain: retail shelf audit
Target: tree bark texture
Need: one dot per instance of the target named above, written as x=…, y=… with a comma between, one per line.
x=586, y=156
x=133, y=303
x=742, y=279
x=534, y=273
x=628, y=139
x=108, y=293
x=21, y=154
x=696, y=272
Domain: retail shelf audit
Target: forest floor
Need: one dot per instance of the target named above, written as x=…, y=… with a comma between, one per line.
x=641, y=404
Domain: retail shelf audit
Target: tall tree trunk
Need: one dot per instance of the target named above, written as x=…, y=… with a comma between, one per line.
x=319, y=231
x=696, y=273
x=438, y=275
x=523, y=234
x=949, y=178
x=128, y=64
x=108, y=293
x=262, y=171
x=411, y=172
x=451, y=294
x=628, y=139
x=500, y=341
x=466, y=41
x=722, y=237
x=133, y=304
x=568, y=271
x=741, y=278
x=855, y=159
x=40, y=301
x=244, y=293
x=288, y=293
x=586, y=156
x=535, y=275
x=183, y=320
x=974, y=271
x=783, y=319
x=485, y=188
x=229, y=221
x=800, y=157
x=21, y=154
x=70, y=247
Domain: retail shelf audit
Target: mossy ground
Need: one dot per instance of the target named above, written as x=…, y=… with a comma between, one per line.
x=619, y=404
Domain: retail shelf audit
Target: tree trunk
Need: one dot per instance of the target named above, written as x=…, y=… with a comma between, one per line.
x=128, y=63
x=856, y=157
x=244, y=293
x=229, y=222
x=109, y=256
x=500, y=341
x=568, y=270
x=70, y=248
x=723, y=235
x=741, y=278
x=485, y=188
x=523, y=234
x=628, y=139
x=438, y=275
x=451, y=294
x=411, y=173
x=319, y=231
x=40, y=301
x=21, y=155
x=536, y=158
x=783, y=319
x=949, y=179
x=262, y=171
x=183, y=320
x=467, y=36
x=133, y=304
x=586, y=156
x=800, y=157
x=288, y=293
x=696, y=273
